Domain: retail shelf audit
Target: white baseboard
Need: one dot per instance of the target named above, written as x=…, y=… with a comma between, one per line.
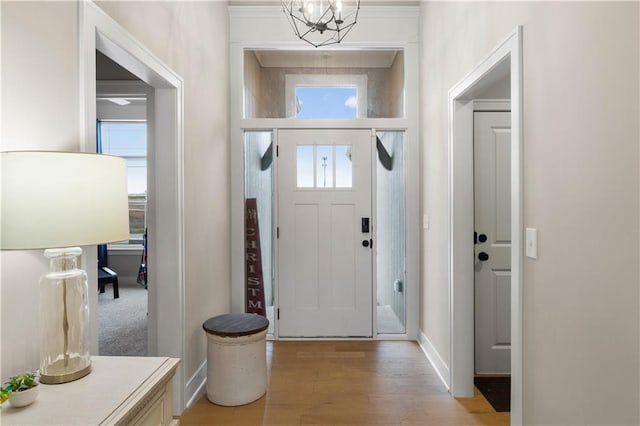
x=195, y=387
x=435, y=359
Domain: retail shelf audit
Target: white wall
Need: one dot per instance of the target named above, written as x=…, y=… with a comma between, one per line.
x=40, y=109
x=39, y=74
x=581, y=158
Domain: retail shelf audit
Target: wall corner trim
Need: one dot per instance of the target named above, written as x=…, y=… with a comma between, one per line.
x=434, y=358
x=195, y=386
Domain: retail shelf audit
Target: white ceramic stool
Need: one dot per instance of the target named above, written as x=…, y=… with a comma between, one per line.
x=236, y=358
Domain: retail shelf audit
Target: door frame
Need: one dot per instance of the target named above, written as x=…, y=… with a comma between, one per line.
x=98, y=31
x=260, y=27
x=461, y=254
x=411, y=208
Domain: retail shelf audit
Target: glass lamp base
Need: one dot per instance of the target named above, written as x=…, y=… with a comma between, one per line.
x=58, y=373
x=64, y=324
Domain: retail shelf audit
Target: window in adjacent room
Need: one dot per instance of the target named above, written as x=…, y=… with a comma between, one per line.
x=128, y=139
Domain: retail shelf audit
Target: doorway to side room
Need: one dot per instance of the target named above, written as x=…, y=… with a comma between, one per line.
x=121, y=130
x=99, y=32
x=503, y=64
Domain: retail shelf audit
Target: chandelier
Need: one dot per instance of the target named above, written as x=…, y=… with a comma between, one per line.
x=321, y=22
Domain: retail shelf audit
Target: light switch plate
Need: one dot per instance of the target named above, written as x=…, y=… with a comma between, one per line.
x=425, y=221
x=532, y=243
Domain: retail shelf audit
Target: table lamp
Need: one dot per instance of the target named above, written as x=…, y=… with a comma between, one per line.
x=56, y=201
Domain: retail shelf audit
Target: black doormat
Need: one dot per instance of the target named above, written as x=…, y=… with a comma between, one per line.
x=497, y=390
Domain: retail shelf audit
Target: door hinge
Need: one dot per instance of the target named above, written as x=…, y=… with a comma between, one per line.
x=278, y=232
x=277, y=150
x=278, y=313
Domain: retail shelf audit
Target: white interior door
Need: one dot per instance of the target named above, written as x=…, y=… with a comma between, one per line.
x=324, y=269
x=492, y=186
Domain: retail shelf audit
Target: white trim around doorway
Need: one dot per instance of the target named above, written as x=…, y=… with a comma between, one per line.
x=461, y=254
x=98, y=31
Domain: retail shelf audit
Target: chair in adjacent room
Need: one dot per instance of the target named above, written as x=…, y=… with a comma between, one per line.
x=106, y=275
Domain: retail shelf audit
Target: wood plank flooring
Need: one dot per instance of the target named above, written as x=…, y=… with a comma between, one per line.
x=349, y=383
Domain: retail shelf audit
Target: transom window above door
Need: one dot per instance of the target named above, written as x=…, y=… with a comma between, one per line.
x=326, y=96
x=324, y=166
x=326, y=102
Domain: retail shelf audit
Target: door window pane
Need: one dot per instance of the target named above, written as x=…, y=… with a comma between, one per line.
x=304, y=166
x=324, y=168
x=344, y=169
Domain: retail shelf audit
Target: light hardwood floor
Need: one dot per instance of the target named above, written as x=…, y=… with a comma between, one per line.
x=349, y=383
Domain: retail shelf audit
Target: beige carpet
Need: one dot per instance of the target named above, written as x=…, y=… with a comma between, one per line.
x=122, y=322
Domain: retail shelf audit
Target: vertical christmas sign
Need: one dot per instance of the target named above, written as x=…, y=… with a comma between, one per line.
x=253, y=259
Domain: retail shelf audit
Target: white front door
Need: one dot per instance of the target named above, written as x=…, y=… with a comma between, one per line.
x=492, y=205
x=324, y=268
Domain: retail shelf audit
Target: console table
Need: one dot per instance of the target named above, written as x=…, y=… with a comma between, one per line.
x=119, y=390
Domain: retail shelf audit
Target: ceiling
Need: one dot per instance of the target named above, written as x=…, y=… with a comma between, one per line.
x=364, y=3
x=106, y=69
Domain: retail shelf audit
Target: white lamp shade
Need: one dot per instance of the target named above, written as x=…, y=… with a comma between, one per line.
x=62, y=199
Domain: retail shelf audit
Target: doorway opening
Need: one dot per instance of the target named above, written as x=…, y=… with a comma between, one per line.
x=318, y=98
x=492, y=242
x=101, y=33
x=121, y=130
x=504, y=60
x=324, y=167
